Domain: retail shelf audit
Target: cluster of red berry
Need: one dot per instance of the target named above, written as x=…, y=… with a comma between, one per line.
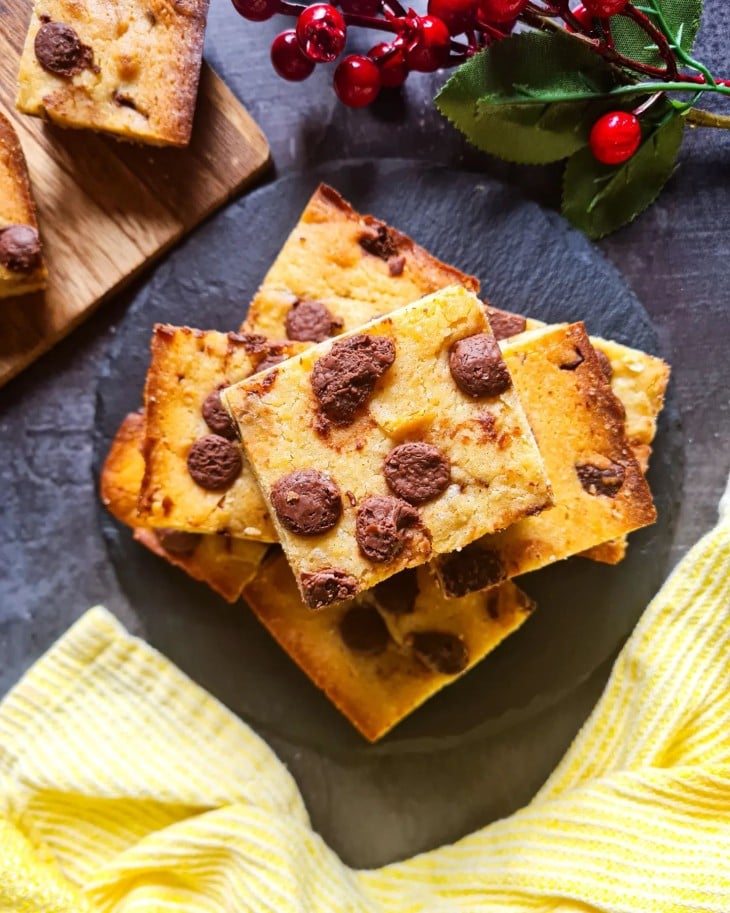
x=420, y=43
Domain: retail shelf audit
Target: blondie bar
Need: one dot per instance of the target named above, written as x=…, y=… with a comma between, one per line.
x=125, y=67
x=598, y=486
x=196, y=476
x=21, y=258
x=393, y=443
x=381, y=655
x=338, y=270
x=225, y=564
x=640, y=383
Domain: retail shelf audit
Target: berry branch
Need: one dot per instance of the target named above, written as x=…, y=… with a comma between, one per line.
x=425, y=43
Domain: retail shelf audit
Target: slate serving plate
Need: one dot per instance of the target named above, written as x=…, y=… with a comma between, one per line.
x=530, y=261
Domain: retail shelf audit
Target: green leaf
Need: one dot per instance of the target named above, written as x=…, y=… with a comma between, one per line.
x=682, y=18
x=598, y=198
x=530, y=98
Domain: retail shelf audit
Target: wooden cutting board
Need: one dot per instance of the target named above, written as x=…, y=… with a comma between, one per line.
x=107, y=209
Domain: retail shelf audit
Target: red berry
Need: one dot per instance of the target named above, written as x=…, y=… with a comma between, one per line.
x=615, y=137
x=583, y=16
x=458, y=15
x=430, y=49
x=256, y=10
x=499, y=11
x=604, y=8
x=321, y=31
x=357, y=81
x=391, y=63
x=361, y=7
x=288, y=59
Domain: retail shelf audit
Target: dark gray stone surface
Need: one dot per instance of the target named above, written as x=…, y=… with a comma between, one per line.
x=52, y=555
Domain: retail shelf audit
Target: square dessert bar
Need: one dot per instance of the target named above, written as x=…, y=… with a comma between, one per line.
x=196, y=476
x=125, y=67
x=338, y=270
x=381, y=655
x=637, y=379
x=398, y=441
x=225, y=564
x=598, y=486
x=21, y=259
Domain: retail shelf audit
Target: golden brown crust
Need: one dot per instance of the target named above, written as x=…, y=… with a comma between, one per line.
x=225, y=564
x=123, y=469
x=323, y=260
x=640, y=383
x=376, y=691
x=142, y=82
x=186, y=366
x=16, y=208
x=599, y=488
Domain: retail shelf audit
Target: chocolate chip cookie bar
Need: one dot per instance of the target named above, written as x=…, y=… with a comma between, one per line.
x=338, y=270
x=598, y=486
x=129, y=68
x=225, y=564
x=399, y=441
x=21, y=259
x=196, y=477
x=381, y=655
x=637, y=379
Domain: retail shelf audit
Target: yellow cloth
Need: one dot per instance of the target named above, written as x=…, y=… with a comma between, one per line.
x=124, y=787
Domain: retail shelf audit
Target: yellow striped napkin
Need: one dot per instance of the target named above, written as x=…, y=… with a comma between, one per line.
x=124, y=787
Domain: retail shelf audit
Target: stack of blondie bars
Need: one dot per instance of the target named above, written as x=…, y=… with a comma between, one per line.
x=375, y=455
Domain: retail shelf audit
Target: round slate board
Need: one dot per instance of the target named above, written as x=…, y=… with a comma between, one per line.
x=530, y=261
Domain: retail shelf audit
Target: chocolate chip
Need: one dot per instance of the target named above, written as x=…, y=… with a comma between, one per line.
x=124, y=101
x=383, y=526
x=574, y=361
x=363, y=630
x=310, y=321
x=344, y=379
x=477, y=366
x=307, y=502
x=417, y=472
x=253, y=343
x=176, y=541
x=397, y=594
x=216, y=417
x=59, y=49
x=473, y=568
x=488, y=424
x=396, y=266
x=598, y=480
x=492, y=603
x=269, y=362
x=214, y=462
x=20, y=248
x=605, y=365
x=379, y=241
x=324, y=587
x=268, y=381
x=504, y=324
x=440, y=651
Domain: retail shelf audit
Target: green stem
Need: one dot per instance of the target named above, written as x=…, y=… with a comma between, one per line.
x=696, y=117
x=639, y=88
x=686, y=58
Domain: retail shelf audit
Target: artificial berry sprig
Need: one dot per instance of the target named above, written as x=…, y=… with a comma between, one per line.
x=419, y=43
x=428, y=42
